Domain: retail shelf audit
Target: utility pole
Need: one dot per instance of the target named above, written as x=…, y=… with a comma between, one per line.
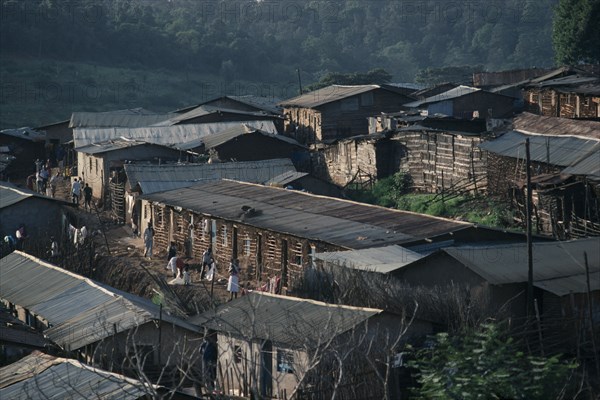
x=529, y=244
x=299, y=80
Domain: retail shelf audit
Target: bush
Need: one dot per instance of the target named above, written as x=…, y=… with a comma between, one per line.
x=486, y=364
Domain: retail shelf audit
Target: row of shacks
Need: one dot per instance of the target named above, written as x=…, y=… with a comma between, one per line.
x=266, y=343
x=342, y=135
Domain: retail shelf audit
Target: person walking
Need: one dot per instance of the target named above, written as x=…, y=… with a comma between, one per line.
x=87, y=197
x=172, y=251
x=148, y=241
x=233, y=285
x=76, y=191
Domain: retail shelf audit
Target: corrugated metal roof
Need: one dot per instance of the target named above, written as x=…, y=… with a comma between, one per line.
x=327, y=95
x=204, y=110
x=285, y=178
x=458, y=91
x=79, y=309
x=268, y=104
x=285, y=320
x=341, y=222
x=183, y=137
x=571, y=80
x=557, y=266
x=132, y=118
x=42, y=376
x=380, y=259
x=556, y=150
x=588, y=166
x=25, y=133
x=225, y=136
x=10, y=194
x=111, y=145
x=533, y=123
x=159, y=178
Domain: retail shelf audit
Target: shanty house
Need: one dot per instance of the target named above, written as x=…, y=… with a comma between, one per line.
x=17, y=339
x=466, y=102
x=241, y=103
x=42, y=216
x=98, y=162
x=26, y=145
x=41, y=375
x=338, y=111
x=146, y=178
x=565, y=92
x=210, y=114
x=103, y=325
x=564, y=169
x=245, y=143
x=268, y=344
x=276, y=232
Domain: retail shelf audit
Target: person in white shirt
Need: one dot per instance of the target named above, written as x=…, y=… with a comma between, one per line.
x=76, y=191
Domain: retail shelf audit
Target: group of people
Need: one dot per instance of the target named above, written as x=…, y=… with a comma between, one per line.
x=77, y=189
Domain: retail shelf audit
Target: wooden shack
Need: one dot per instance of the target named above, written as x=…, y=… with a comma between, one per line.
x=338, y=111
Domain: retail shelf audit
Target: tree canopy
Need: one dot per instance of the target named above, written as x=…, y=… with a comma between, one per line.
x=576, y=31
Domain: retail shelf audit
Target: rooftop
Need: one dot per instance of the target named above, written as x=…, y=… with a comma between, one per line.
x=333, y=93
x=285, y=320
x=129, y=118
x=11, y=194
x=456, y=92
x=78, y=309
x=380, y=259
x=533, y=123
x=340, y=222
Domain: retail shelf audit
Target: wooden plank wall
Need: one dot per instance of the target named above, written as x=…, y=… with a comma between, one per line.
x=258, y=264
x=340, y=162
x=439, y=161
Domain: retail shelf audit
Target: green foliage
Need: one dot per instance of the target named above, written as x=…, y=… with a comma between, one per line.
x=487, y=364
x=576, y=31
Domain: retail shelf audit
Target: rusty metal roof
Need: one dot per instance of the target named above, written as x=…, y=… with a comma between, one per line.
x=285, y=320
x=333, y=93
x=558, y=267
x=532, y=123
x=340, y=222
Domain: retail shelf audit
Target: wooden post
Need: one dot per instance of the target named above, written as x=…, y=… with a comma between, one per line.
x=589, y=299
x=539, y=324
x=160, y=307
x=528, y=208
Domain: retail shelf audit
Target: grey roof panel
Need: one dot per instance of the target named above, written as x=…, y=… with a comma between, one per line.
x=159, y=178
x=204, y=110
x=41, y=376
x=183, y=137
x=131, y=118
x=556, y=150
x=283, y=319
x=11, y=194
x=285, y=178
x=379, y=259
x=74, y=305
x=341, y=222
x=588, y=166
x=225, y=136
x=454, y=93
x=555, y=264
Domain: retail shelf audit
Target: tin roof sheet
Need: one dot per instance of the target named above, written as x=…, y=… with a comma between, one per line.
x=379, y=259
x=588, y=166
x=25, y=133
x=341, y=222
x=108, y=146
x=183, y=137
x=557, y=266
x=556, y=150
x=159, y=178
x=458, y=91
x=226, y=135
x=42, y=376
x=130, y=118
x=79, y=309
x=532, y=123
x=204, y=110
x=330, y=94
x=285, y=178
x=11, y=194
x=285, y=320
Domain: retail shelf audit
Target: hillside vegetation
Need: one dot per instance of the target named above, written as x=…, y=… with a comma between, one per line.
x=166, y=49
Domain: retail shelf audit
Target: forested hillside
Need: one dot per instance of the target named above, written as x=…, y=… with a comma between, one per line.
x=266, y=41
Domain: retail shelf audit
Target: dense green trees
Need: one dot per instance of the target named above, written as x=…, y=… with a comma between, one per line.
x=576, y=31
x=269, y=40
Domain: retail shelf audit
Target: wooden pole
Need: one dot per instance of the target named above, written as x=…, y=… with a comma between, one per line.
x=528, y=208
x=159, y=330
x=589, y=299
